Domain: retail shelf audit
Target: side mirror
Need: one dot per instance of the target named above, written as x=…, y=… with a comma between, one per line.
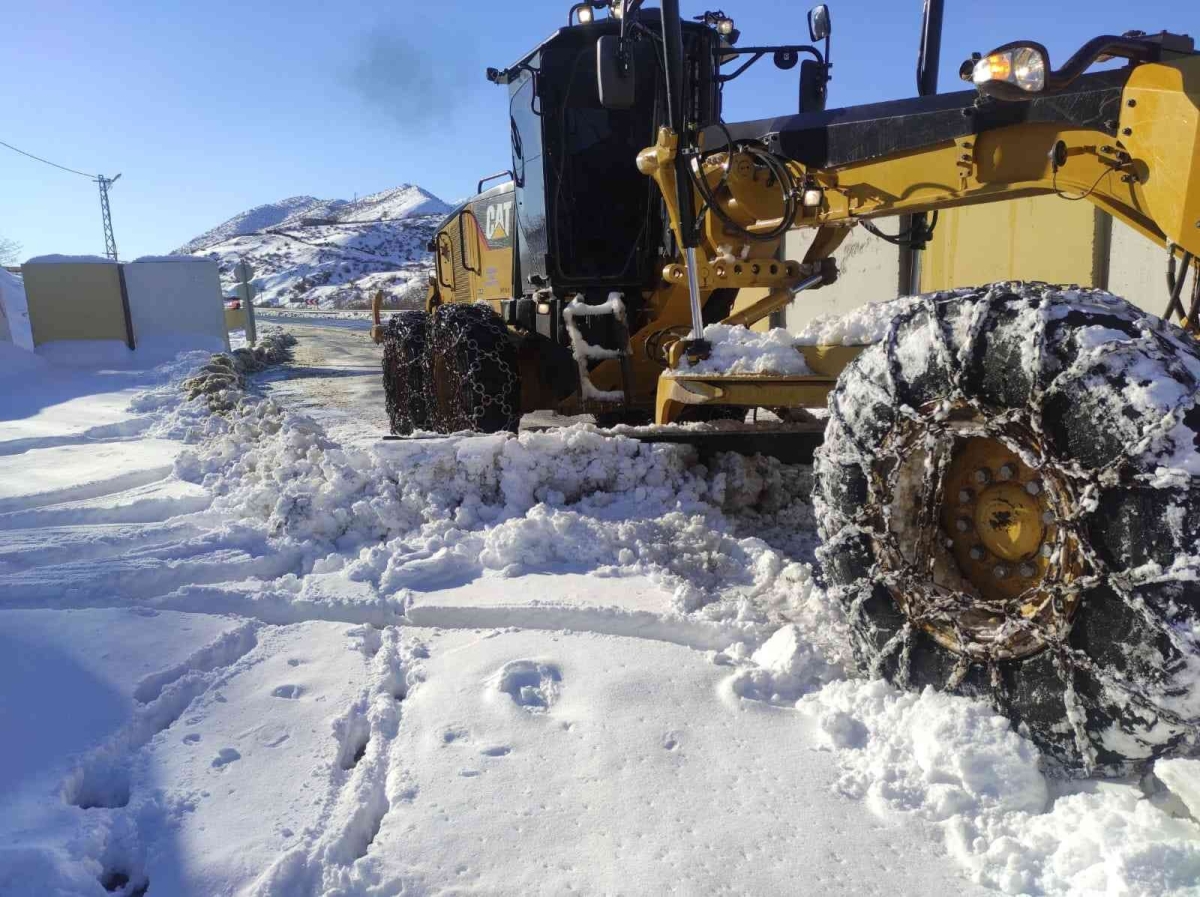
x=812, y=86
x=614, y=73
x=818, y=23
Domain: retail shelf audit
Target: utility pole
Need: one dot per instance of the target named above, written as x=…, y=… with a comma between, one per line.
x=110, y=242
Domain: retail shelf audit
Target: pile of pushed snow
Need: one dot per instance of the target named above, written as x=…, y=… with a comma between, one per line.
x=418, y=515
x=740, y=350
x=954, y=764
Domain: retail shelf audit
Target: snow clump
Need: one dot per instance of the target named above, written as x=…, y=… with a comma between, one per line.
x=740, y=350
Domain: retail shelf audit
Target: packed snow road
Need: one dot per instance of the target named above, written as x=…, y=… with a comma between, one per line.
x=249, y=648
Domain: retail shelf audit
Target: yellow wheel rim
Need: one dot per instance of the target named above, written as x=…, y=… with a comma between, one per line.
x=984, y=564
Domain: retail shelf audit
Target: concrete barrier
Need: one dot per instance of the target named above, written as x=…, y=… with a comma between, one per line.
x=176, y=300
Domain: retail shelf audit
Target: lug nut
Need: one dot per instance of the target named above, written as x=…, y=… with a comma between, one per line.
x=1047, y=550
x=977, y=553
x=965, y=496
x=1000, y=571
x=983, y=476
x=1006, y=472
x=1027, y=571
x=1033, y=487
x=963, y=525
x=1047, y=517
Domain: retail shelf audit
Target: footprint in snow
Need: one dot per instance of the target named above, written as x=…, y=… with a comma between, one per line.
x=224, y=757
x=499, y=750
x=533, y=686
x=455, y=733
x=192, y=738
x=287, y=691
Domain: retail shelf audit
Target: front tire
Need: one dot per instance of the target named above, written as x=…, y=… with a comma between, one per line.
x=1009, y=497
x=476, y=381
x=406, y=383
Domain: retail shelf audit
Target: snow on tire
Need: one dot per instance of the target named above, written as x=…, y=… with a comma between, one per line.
x=1009, y=501
x=406, y=383
x=476, y=384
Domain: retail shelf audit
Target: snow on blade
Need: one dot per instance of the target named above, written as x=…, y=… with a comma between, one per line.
x=740, y=350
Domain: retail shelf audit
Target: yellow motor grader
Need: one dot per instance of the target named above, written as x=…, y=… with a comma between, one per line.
x=1008, y=491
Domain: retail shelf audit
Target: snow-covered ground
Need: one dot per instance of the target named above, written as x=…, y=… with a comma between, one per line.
x=264, y=652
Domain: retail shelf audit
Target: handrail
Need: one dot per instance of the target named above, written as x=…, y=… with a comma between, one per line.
x=462, y=244
x=490, y=177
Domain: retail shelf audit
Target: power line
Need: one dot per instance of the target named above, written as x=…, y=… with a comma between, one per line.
x=47, y=161
x=110, y=242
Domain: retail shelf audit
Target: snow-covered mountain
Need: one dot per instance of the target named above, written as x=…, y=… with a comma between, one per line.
x=333, y=253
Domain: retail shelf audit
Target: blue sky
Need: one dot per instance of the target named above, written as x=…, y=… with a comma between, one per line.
x=209, y=108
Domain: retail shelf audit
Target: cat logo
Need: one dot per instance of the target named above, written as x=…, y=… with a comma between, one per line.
x=498, y=221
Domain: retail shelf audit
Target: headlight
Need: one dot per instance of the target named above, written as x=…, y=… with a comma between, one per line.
x=1023, y=66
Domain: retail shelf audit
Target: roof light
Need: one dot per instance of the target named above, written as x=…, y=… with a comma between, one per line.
x=725, y=27
x=586, y=15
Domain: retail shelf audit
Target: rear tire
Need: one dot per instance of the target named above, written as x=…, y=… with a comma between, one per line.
x=476, y=383
x=1102, y=399
x=406, y=384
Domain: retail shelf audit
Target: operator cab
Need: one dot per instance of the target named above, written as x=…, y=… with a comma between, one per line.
x=582, y=105
x=586, y=219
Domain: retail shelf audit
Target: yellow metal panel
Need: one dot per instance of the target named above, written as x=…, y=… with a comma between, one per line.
x=74, y=301
x=1035, y=238
x=235, y=319
x=1160, y=126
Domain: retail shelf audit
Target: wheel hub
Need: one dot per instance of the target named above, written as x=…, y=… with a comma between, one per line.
x=1009, y=521
x=997, y=518
x=993, y=581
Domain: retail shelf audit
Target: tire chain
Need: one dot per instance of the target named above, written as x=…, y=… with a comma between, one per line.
x=406, y=375
x=472, y=352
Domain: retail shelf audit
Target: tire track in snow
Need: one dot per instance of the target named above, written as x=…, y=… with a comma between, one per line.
x=129, y=579
x=365, y=786
x=121, y=431
x=276, y=606
x=703, y=635
x=120, y=483
x=154, y=503
x=24, y=549
x=102, y=777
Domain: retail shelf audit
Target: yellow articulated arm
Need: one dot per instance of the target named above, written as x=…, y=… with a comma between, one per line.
x=1148, y=176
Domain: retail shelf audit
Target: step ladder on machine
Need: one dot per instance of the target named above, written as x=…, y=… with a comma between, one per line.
x=584, y=352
